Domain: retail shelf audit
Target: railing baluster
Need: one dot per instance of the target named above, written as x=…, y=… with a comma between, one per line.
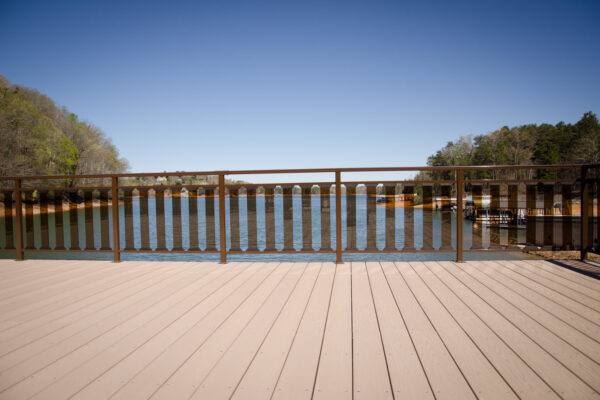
x=306, y=218
x=350, y=217
x=143, y=195
x=176, y=215
x=8, y=220
x=325, y=193
x=390, y=217
x=270, y=218
x=531, y=215
x=73, y=220
x=161, y=242
x=193, y=218
x=597, y=219
x=128, y=206
x=567, y=219
x=549, y=215
x=584, y=213
x=234, y=218
x=446, y=208
x=222, y=227
x=44, y=225
x=338, y=218
x=104, y=221
x=19, y=221
x=460, y=186
x=371, y=217
x=409, y=217
x=89, y=219
x=251, y=218
x=590, y=239
x=115, y=219
x=477, y=229
x=59, y=225
x=211, y=230
x=494, y=210
x=288, y=219
x=513, y=206
x=29, y=229
x=427, y=217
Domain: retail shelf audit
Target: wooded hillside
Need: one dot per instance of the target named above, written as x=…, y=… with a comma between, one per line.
x=39, y=138
x=562, y=143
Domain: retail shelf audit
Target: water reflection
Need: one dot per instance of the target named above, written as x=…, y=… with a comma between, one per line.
x=95, y=229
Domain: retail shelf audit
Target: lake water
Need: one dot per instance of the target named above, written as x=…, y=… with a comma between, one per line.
x=361, y=217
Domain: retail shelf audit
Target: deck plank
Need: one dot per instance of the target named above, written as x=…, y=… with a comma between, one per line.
x=582, y=309
x=536, y=300
x=47, y=335
x=543, y=295
x=179, y=346
x=551, y=282
x=95, y=369
x=528, y=319
x=558, y=281
x=444, y=376
x=562, y=381
x=49, y=310
x=221, y=381
x=371, y=375
x=465, y=339
x=190, y=374
x=120, y=363
x=570, y=275
x=11, y=268
x=406, y=371
x=134, y=330
x=522, y=379
x=573, y=329
x=30, y=271
x=298, y=374
x=55, y=283
x=261, y=376
x=89, y=337
x=334, y=375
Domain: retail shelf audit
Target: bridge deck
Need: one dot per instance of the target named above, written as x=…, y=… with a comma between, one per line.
x=411, y=330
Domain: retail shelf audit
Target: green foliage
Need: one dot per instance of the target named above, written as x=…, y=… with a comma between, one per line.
x=38, y=138
x=562, y=143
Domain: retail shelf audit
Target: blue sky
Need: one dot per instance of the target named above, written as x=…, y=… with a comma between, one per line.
x=256, y=84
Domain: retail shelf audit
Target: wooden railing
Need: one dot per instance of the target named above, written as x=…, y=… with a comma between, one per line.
x=216, y=216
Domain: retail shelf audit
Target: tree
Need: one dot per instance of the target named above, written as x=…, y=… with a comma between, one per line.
x=586, y=144
x=459, y=153
x=522, y=145
x=41, y=139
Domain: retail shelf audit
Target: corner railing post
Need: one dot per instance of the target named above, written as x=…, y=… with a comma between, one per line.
x=338, y=218
x=459, y=215
x=19, y=221
x=584, y=212
x=222, y=227
x=115, y=219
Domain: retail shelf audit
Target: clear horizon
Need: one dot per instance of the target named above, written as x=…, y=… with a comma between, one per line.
x=212, y=86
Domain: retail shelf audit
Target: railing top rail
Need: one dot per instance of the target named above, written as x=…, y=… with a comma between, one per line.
x=304, y=170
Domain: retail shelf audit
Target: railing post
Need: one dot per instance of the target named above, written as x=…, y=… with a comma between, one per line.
x=584, y=213
x=115, y=219
x=19, y=221
x=459, y=215
x=222, y=227
x=338, y=218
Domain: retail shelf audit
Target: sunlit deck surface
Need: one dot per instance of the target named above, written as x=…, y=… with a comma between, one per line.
x=405, y=330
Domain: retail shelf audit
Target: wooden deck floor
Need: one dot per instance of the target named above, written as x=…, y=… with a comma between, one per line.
x=433, y=330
